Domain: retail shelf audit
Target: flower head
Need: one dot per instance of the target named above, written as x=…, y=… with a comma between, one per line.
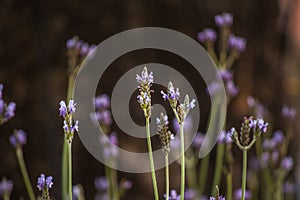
x=6, y=186
x=102, y=102
x=287, y=163
x=145, y=81
x=44, y=182
x=238, y=194
x=101, y=183
x=207, y=35
x=18, y=138
x=289, y=113
x=163, y=131
x=237, y=43
x=173, y=195
x=224, y=19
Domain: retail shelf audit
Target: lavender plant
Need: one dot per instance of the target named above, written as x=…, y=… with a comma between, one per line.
x=44, y=184
x=6, y=187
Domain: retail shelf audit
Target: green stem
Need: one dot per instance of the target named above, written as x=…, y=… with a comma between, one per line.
x=191, y=172
x=64, y=178
x=244, y=173
x=219, y=165
x=203, y=173
x=151, y=159
x=114, y=181
x=229, y=186
x=24, y=172
x=167, y=176
x=182, y=162
x=108, y=176
x=69, y=145
x=6, y=197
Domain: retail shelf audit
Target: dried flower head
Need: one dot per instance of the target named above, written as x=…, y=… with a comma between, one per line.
x=164, y=133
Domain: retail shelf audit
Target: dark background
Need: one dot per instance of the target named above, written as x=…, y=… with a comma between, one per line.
x=33, y=68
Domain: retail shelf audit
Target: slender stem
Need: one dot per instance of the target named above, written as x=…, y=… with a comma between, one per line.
x=108, y=176
x=229, y=186
x=64, y=163
x=6, y=197
x=203, y=173
x=191, y=172
x=219, y=166
x=151, y=159
x=244, y=173
x=64, y=170
x=69, y=144
x=114, y=181
x=182, y=162
x=167, y=176
x=24, y=172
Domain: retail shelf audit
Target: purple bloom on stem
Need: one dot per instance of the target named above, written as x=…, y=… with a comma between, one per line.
x=1, y=106
x=250, y=101
x=190, y=194
x=173, y=195
x=237, y=43
x=84, y=49
x=1, y=90
x=278, y=137
x=219, y=198
x=288, y=112
x=6, y=186
x=72, y=107
x=10, y=111
x=287, y=163
x=198, y=140
x=231, y=89
x=145, y=78
x=225, y=74
x=224, y=19
x=126, y=184
x=238, y=194
x=44, y=183
x=224, y=137
x=101, y=183
x=71, y=43
x=63, y=109
x=18, y=138
x=113, y=138
x=101, y=102
x=269, y=144
x=207, y=35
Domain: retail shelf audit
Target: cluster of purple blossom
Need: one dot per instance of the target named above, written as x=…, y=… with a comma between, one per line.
x=7, y=111
x=79, y=46
x=102, y=113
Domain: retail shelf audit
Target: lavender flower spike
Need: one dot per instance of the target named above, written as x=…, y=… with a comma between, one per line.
x=207, y=35
x=44, y=184
x=237, y=43
x=18, y=138
x=224, y=19
x=6, y=186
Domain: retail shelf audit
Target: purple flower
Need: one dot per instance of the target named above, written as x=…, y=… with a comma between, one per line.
x=1, y=90
x=101, y=102
x=145, y=78
x=126, y=185
x=173, y=195
x=224, y=19
x=71, y=43
x=218, y=198
x=213, y=88
x=237, y=43
x=1, y=106
x=287, y=163
x=269, y=144
x=278, y=137
x=231, y=89
x=84, y=49
x=198, y=140
x=101, y=183
x=207, y=35
x=44, y=183
x=10, y=111
x=72, y=107
x=225, y=74
x=258, y=125
x=174, y=94
x=238, y=194
x=63, y=109
x=6, y=186
x=190, y=194
x=251, y=101
x=18, y=138
x=288, y=112
x=224, y=137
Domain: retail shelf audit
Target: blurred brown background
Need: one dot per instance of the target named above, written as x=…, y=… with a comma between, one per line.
x=33, y=66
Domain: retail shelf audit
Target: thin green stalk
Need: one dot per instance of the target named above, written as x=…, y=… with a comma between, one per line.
x=108, y=176
x=64, y=170
x=229, y=186
x=24, y=172
x=219, y=165
x=244, y=173
x=6, y=197
x=69, y=145
x=114, y=181
x=182, y=162
x=203, y=173
x=167, y=176
x=191, y=172
x=64, y=163
x=151, y=159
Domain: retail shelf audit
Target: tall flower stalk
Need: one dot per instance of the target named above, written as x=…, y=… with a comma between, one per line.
x=17, y=140
x=251, y=130
x=180, y=111
x=145, y=81
x=69, y=128
x=165, y=136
